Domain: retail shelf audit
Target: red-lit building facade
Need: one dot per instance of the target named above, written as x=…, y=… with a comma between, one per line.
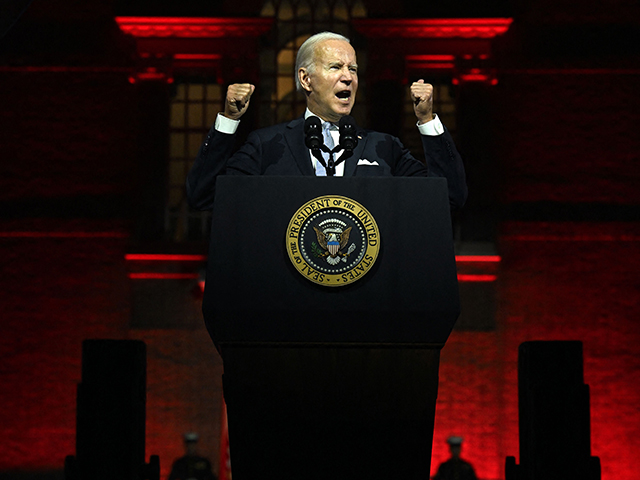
x=104, y=106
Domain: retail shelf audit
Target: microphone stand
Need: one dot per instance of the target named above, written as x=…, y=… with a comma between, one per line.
x=330, y=166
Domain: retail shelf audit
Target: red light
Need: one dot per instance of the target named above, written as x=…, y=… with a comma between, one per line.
x=476, y=278
x=431, y=61
x=196, y=56
x=163, y=257
x=193, y=27
x=153, y=76
x=474, y=77
x=26, y=234
x=163, y=276
x=433, y=66
x=595, y=237
x=431, y=58
x=478, y=258
x=62, y=69
x=434, y=27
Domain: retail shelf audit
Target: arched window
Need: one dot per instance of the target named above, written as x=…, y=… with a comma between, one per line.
x=295, y=21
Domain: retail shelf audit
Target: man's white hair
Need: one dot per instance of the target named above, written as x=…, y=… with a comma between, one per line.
x=306, y=53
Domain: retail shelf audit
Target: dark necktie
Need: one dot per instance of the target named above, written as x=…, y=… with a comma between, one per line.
x=328, y=141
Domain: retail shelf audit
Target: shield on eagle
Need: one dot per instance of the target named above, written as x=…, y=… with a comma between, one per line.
x=332, y=236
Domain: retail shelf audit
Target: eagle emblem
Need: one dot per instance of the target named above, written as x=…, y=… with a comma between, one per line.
x=333, y=237
x=332, y=240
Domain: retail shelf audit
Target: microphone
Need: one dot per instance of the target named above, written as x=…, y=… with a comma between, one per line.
x=314, y=141
x=313, y=133
x=348, y=136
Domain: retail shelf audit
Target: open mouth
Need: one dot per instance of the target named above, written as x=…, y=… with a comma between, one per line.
x=344, y=94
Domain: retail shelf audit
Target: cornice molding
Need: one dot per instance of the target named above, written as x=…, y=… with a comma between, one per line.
x=433, y=27
x=193, y=27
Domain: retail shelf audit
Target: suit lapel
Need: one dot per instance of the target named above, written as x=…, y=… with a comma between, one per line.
x=294, y=136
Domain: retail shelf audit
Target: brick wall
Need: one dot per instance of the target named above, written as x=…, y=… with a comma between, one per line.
x=566, y=147
x=562, y=281
x=54, y=292
x=568, y=137
x=67, y=134
x=66, y=281
x=68, y=187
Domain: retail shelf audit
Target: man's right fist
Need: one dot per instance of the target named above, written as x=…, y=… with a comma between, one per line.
x=238, y=96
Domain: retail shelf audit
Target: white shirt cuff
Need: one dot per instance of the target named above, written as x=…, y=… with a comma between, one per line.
x=432, y=127
x=226, y=125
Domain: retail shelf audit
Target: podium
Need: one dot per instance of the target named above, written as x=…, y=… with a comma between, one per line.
x=330, y=380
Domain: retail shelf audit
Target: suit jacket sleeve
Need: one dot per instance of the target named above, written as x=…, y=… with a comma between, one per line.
x=443, y=160
x=215, y=158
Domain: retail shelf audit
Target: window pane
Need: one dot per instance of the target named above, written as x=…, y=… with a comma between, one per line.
x=285, y=12
x=286, y=61
x=175, y=197
x=340, y=11
x=176, y=145
x=214, y=92
x=177, y=175
x=195, y=115
x=285, y=87
x=181, y=92
x=268, y=10
x=196, y=92
x=177, y=115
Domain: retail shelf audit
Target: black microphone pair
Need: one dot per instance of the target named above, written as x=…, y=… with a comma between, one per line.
x=315, y=141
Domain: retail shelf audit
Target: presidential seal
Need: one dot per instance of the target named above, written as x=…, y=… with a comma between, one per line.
x=333, y=240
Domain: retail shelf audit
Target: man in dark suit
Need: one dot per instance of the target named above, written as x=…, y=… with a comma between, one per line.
x=327, y=73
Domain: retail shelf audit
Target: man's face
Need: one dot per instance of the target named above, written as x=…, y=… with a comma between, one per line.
x=331, y=87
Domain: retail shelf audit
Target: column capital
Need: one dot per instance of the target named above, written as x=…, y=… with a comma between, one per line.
x=166, y=45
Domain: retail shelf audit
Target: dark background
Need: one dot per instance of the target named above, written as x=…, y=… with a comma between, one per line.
x=553, y=162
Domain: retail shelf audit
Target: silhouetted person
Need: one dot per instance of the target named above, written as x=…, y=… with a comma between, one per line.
x=455, y=468
x=191, y=466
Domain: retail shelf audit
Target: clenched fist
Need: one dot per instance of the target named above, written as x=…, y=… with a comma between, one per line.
x=422, y=97
x=238, y=96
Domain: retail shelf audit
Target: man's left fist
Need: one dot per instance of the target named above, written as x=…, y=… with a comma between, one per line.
x=422, y=97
